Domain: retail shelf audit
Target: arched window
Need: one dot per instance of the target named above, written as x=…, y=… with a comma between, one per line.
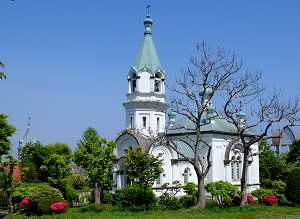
x=157, y=83
x=133, y=83
x=159, y=178
x=236, y=163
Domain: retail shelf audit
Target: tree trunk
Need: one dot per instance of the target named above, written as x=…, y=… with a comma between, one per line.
x=201, y=192
x=97, y=193
x=244, y=179
x=10, y=199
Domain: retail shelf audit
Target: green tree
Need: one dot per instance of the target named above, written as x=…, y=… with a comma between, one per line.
x=33, y=157
x=2, y=75
x=270, y=165
x=6, y=131
x=96, y=155
x=61, y=149
x=142, y=167
x=6, y=167
x=293, y=156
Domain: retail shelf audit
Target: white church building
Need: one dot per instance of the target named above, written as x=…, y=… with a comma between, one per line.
x=146, y=109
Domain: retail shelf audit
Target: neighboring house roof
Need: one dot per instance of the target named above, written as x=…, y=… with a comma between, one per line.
x=287, y=135
x=147, y=56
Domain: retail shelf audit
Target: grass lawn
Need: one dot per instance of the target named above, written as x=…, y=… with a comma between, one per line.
x=251, y=211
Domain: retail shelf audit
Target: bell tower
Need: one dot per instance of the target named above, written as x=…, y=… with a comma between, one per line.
x=146, y=99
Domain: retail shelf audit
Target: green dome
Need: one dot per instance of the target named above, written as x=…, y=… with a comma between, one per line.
x=172, y=114
x=208, y=92
x=241, y=115
x=148, y=20
x=210, y=108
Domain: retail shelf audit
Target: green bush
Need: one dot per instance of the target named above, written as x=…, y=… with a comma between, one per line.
x=3, y=198
x=261, y=193
x=282, y=200
x=292, y=186
x=266, y=183
x=107, y=197
x=40, y=193
x=167, y=200
x=190, y=188
x=21, y=190
x=278, y=186
x=224, y=192
x=188, y=201
x=44, y=205
x=133, y=196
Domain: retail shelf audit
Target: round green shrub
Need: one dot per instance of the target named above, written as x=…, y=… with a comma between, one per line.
x=292, y=186
x=261, y=193
x=44, y=205
x=188, y=201
x=40, y=193
x=133, y=196
x=166, y=200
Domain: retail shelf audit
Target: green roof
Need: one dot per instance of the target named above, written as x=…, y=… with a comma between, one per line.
x=220, y=124
x=147, y=56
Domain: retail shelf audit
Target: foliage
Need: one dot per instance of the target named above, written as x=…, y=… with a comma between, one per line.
x=21, y=190
x=224, y=192
x=271, y=166
x=292, y=186
x=190, y=188
x=3, y=198
x=168, y=200
x=142, y=167
x=76, y=181
x=133, y=196
x=6, y=131
x=33, y=157
x=96, y=155
x=43, y=192
x=282, y=200
x=61, y=149
x=2, y=75
x=278, y=186
x=270, y=200
x=188, y=201
x=107, y=197
x=261, y=193
x=293, y=156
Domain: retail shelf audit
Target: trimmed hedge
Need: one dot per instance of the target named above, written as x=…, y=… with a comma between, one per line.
x=292, y=190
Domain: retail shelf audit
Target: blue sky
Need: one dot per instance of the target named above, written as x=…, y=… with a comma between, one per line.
x=67, y=60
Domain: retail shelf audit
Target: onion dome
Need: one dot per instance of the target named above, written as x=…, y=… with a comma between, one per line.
x=240, y=115
x=205, y=92
x=210, y=108
x=148, y=24
x=172, y=114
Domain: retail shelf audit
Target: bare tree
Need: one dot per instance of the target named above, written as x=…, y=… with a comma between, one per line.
x=266, y=109
x=213, y=73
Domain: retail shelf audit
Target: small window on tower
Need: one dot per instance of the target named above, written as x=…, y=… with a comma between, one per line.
x=157, y=122
x=144, y=122
x=131, y=122
x=133, y=83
